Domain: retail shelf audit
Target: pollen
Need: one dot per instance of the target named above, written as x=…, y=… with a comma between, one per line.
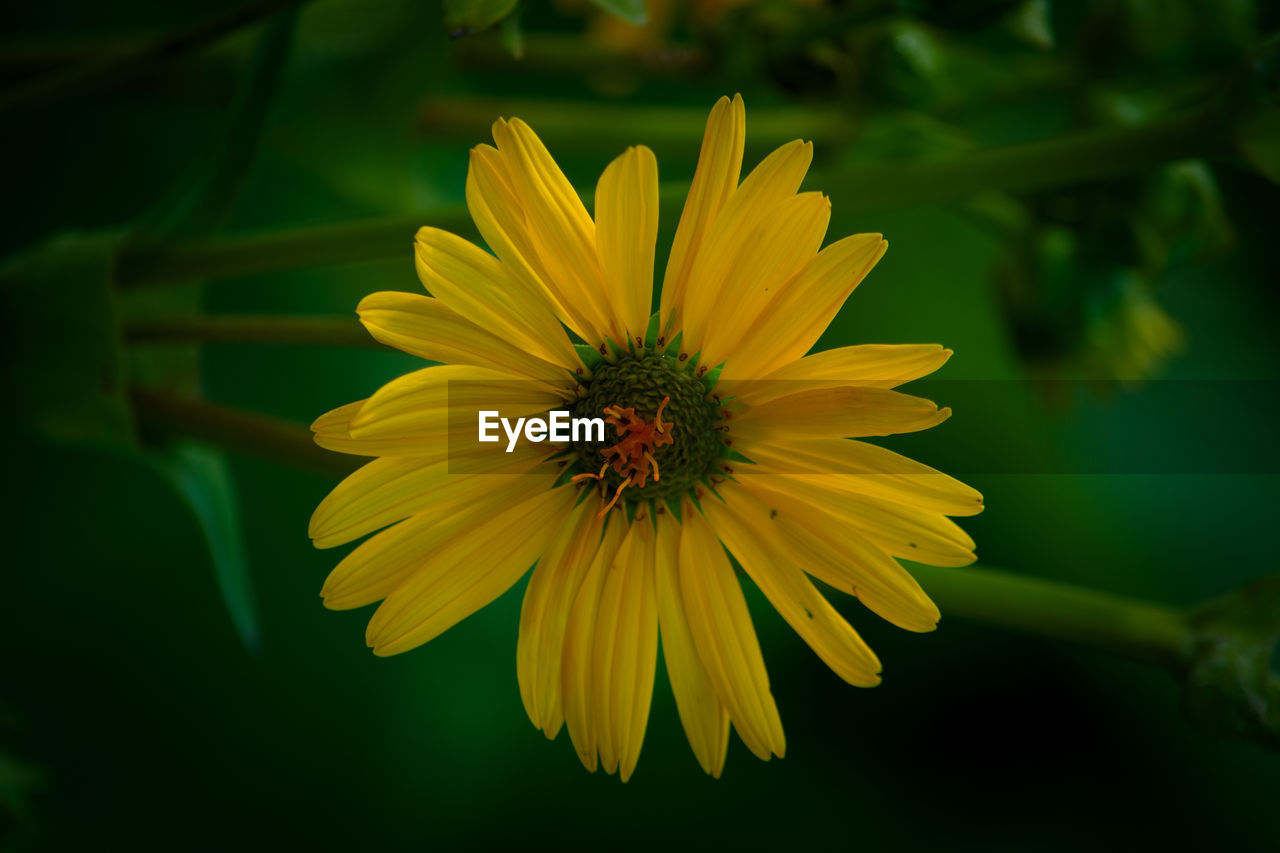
x=660, y=425
x=632, y=457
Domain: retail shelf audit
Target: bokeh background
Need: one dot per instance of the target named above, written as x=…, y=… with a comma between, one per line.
x=168, y=678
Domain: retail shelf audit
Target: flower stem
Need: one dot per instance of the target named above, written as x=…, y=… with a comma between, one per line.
x=561, y=124
x=1203, y=132
x=96, y=75
x=291, y=248
x=236, y=429
x=314, y=331
x=572, y=55
x=1220, y=651
x=1092, y=155
x=1152, y=633
x=211, y=204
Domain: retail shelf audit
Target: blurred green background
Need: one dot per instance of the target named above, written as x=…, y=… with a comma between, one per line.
x=135, y=712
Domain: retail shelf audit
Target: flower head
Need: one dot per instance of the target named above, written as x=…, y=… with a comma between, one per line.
x=724, y=438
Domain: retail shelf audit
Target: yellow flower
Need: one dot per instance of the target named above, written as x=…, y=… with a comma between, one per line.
x=724, y=435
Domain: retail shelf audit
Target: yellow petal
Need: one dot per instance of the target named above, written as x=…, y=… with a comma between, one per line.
x=851, y=411
x=393, y=488
x=757, y=201
x=501, y=220
x=545, y=612
x=725, y=639
x=576, y=667
x=745, y=526
x=552, y=724
x=427, y=328
x=379, y=565
x=433, y=414
x=480, y=288
x=560, y=230
x=862, y=468
x=466, y=572
x=626, y=230
x=335, y=434
x=719, y=166
x=780, y=247
x=791, y=324
x=841, y=556
x=444, y=399
x=331, y=433
x=870, y=365
x=625, y=651
x=703, y=715
x=902, y=531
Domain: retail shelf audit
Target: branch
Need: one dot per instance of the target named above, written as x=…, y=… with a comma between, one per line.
x=1036, y=165
x=97, y=75
x=314, y=331
x=1152, y=633
x=236, y=429
x=1220, y=651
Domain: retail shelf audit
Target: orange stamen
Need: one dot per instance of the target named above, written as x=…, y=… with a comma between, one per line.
x=577, y=478
x=659, y=425
x=616, y=495
x=654, y=463
x=632, y=457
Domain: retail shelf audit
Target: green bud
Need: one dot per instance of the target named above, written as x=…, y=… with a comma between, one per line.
x=1231, y=688
x=906, y=64
x=1030, y=24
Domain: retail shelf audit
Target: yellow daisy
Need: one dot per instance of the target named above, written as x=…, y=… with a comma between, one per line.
x=725, y=438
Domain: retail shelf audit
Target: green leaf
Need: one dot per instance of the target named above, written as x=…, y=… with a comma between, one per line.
x=1231, y=688
x=590, y=356
x=711, y=377
x=651, y=333
x=673, y=348
x=1031, y=23
x=462, y=17
x=210, y=203
x=1258, y=137
x=199, y=474
x=566, y=474
x=727, y=452
x=711, y=487
x=511, y=33
x=692, y=494
x=20, y=782
x=64, y=374
x=631, y=11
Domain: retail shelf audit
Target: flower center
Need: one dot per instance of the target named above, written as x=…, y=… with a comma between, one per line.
x=661, y=436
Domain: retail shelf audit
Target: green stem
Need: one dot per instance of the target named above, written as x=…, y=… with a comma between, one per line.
x=1093, y=155
x=31, y=55
x=1153, y=633
x=612, y=125
x=293, y=248
x=207, y=209
x=99, y=74
x=235, y=429
x=1035, y=165
x=1149, y=632
x=314, y=331
x=572, y=55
